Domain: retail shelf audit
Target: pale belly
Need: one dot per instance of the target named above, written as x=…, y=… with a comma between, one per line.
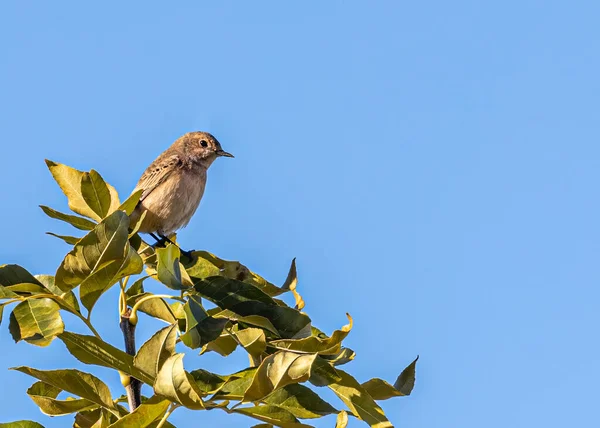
x=171, y=205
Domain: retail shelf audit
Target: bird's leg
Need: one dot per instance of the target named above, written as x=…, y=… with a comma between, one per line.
x=160, y=242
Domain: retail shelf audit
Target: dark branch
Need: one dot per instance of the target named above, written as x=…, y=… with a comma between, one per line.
x=134, y=389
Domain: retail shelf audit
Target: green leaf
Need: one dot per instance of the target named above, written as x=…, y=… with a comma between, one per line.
x=342, y=420
x=223, y=345
x=102, y=279
x=253, y=340
x=150, y=410
x=314, y=344
x=277, y=371
x=75, y=221
x=21, y=424
x=301, y=401
x=153, y=354
x=131, y=202
x=169, y=270
x=98, y=418
x=174, y=383
x=76, y=382
x=44, y=395
x=136, y=288
x=245, y=299
x=323, y=374
x=71, y=240
x=253, y=320
x=156, y=308
x=208, y=382
x=236, y=385
x=70, y=182
x=108, y=242
x=272, y=415
x=14, y=274
x=37, y=321
x=344, y=356
x=91, y=350
x=205, y=265
x=200, y=327
x=379, y=389
x=359, y=401
x=95, y=193
x=66, y=301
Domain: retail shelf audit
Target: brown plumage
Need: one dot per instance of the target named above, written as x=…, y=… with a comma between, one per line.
x=173, y=184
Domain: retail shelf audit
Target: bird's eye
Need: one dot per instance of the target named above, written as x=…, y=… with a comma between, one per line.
x=203, y=143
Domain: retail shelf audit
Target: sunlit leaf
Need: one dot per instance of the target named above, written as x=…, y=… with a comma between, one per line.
x=344, y=356
x=222, y=345
x=342, y=420
x=251, y=320
x=70, y=181
x=75, y=221
x=97, y=418
x=278, y=370
x=37, y=321
x=152, y=354
x=253, y=340
x=205, y=265
x=91, y=350
x=208, y=382
x=95, y=193
x=44, y=395
x=379, y=389
x=136, y=288
x=273, y=415
x=323, y=374
x=301, y=401
x=174, y=383
x=76, y=382
x=314, y=344
x=236, y=385
x=14, y=274
x=169, y=270
x=359, y=401
x=131, y=202
x=21, y=424
x=245, y=299
x=151, y=410
x=71, y=240
x=66, y=301
x=106, y=243
x=102, y=279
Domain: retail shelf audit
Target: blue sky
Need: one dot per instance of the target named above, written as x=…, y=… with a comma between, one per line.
x=432, y=165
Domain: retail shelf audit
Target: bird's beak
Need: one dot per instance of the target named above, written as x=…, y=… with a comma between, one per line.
x=224, y=153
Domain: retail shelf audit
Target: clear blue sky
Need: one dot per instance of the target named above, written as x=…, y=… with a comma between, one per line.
x=434, y=167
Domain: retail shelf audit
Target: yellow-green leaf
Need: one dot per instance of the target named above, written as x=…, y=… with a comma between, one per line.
x=359, y=401
x=95, y=193
x=71, y=240
x=37, y=321
x=156, y=308
x=70, y=181
x=253, y=340
x=301, y=401
x=342, y=420
x=314, y=344
x=272, y=415
x=169, y=270
x=21, y=424
x=156, y=350
x=106, y=243
x=44, y=395
x=379, y=389
x=174, y=383
x=91, y=350
x=131, y=202
x=75, y=221
x=277, y=371
x=150, y=410
x=76, y=382
x=14, y=274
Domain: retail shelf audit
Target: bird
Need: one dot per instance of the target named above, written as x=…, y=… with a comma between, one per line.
x=173, y=185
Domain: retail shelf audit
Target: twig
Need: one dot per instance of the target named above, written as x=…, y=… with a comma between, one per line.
x=134, y=389
x=166, y=415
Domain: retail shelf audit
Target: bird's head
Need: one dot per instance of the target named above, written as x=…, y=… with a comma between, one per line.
x=203, y=147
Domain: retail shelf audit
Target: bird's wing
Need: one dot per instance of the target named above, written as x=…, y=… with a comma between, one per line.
x=157, y=173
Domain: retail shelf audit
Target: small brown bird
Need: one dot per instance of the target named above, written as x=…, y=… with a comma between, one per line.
x=173, y=184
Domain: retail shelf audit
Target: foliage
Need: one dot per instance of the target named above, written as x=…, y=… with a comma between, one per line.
x=285, y=350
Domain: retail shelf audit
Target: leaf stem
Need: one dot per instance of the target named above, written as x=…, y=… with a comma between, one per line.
x=133, y=317
x=166, y=415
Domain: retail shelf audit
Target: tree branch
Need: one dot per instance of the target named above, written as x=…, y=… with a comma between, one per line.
x=134, y=389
